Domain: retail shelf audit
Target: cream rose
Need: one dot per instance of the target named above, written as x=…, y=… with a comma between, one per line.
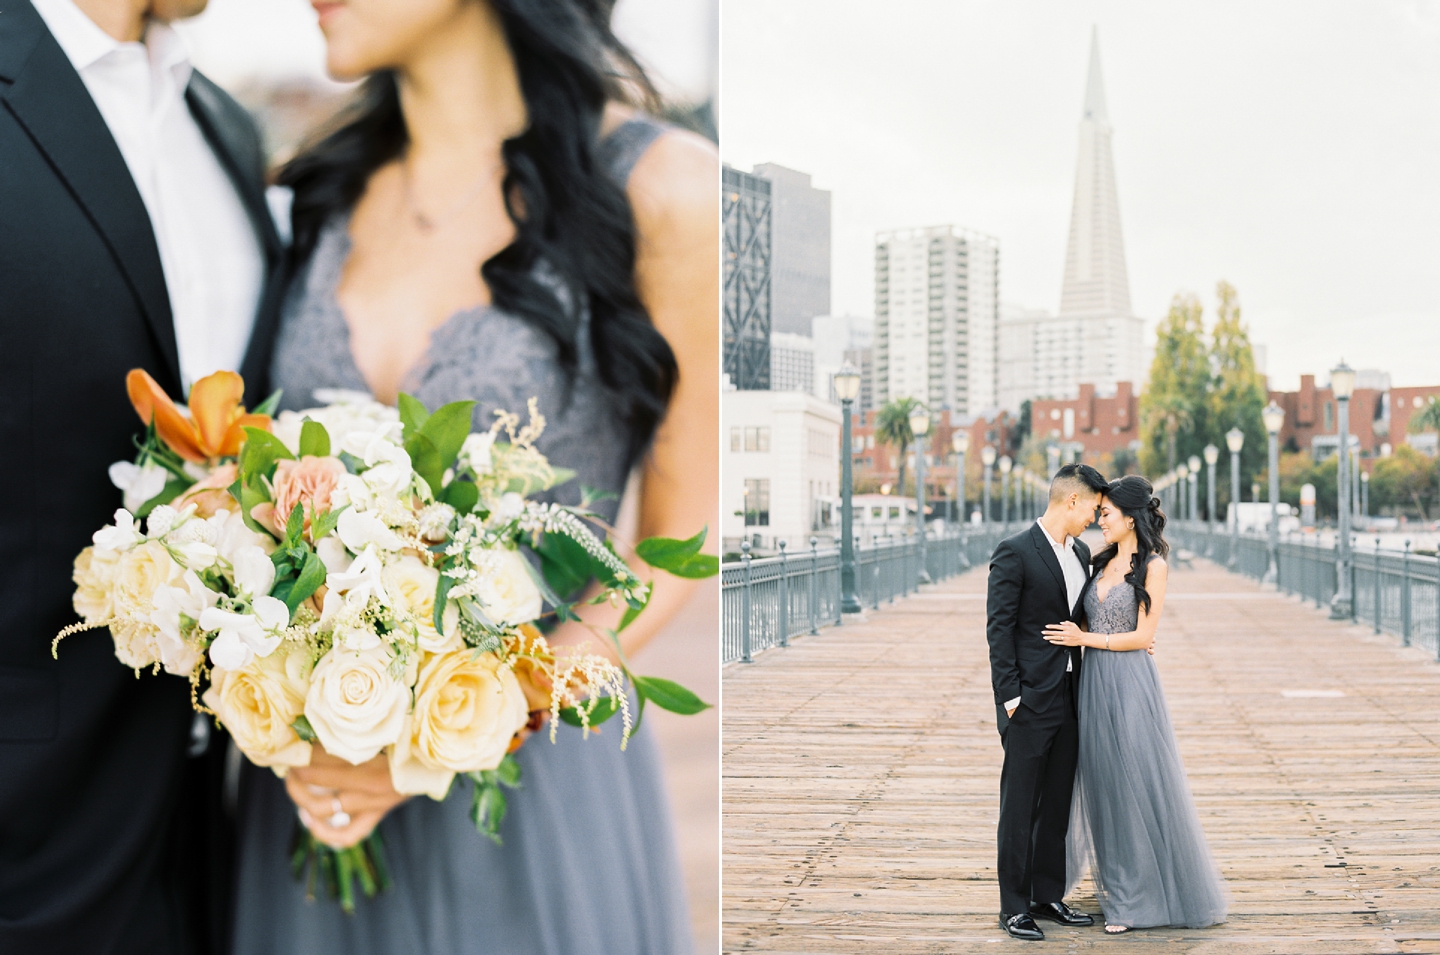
x=505, y=590
x=258, y=702
x=139, y=573
x=411, y=587
x=467, y=709
x=354, y=705
x=94, y=578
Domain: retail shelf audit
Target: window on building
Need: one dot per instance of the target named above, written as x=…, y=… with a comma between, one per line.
x=757, y=501
x=1068, y=425
x=894, y=513
x=757, y=439
x=877, y=513
x=736, y=439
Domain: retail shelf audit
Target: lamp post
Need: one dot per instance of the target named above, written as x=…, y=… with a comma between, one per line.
x=1365, y=496
x=1019, y=483
x=960, y=441
x=1005, y=465
x=987, y=458
x=1212, y=454
x=1194, y=489
x=1234, y=441
x=847, y=387
x=1342, y=384
x=1183, y=473
x=1052, y=456
x=920, y=427
x=1274, y=417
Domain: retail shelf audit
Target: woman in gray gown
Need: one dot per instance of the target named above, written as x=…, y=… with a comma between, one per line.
x=1133, y=821
x=490, y=223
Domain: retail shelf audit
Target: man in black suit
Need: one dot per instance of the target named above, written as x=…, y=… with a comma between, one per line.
x=134, y=233
x=1039, y=577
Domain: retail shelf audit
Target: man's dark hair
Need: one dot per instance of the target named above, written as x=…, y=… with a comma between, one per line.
x=1073, y=478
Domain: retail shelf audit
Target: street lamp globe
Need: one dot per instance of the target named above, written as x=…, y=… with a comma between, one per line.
x=1182, y=471
x=1274, y=415
x=987, y=455
x=1342, y=381
x=847, y=383
x=1194, y=463
x=1212, y=454
x=1006, y=464
x=960, y=441
x=920, y=421
x=1235, y=440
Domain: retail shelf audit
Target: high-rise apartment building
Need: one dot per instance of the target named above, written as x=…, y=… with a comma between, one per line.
x=792, y=362
x=936, y=317
x=800, y=241
x=746, y=206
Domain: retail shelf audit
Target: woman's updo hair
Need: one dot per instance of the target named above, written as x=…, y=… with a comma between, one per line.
x=1135, y=498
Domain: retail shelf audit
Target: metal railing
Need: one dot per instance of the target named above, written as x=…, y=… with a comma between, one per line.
x=1396, y=592
x=768, y=600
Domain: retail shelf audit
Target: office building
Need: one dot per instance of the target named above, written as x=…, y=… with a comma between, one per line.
x=800, y=243
x=746, y=207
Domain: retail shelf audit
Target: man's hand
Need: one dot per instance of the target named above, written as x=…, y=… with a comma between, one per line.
x=1011, y=712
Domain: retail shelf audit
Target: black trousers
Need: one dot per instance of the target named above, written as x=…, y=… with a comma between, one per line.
x=1035, y=788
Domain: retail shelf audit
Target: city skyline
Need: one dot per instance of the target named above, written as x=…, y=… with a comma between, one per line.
x=1290, y=157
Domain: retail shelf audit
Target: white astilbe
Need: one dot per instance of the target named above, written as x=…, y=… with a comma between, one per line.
x=557, y=519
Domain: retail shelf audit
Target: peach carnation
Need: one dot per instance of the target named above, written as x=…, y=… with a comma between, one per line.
x=309, y=482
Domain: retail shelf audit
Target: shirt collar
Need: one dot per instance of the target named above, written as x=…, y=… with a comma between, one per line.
x=85, y=44
x=1058, y=545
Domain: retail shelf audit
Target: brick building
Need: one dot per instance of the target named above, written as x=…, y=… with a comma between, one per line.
x=1091, y=424
x=1379, y=416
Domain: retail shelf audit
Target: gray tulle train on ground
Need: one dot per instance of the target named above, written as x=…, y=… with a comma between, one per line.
x=588, y=865
x=1133, y=823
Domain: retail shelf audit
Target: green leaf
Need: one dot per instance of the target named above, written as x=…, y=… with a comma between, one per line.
x=605, y=707
x=324, y=523
x=447, y=429
x=303, y=729
x=461, y=494
x=442, y=591
x=268, y=406
x=562, y=476
x=632, y=611
x=295, y=526
x=669, y=695
x=681, y=558
x=173, y=488
x=487, y=807
x=262, y=449
x=247, y=497
x=425, y=459
x=314, y=439
x=566, y=565
x=297, y=591
x=508, y=772
x=546, y=590
x=412, y=414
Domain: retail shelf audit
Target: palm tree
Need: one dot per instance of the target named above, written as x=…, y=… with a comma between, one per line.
x=892, y=427
x=1426, y=420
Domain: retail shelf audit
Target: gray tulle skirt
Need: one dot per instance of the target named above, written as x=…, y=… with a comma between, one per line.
x=588, y=866
x=1133, y=823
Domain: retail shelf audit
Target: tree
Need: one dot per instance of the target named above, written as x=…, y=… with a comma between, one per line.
x=1429, y=419
x=892, y=427
x=1173, y=412
x=1021, y=432
x=1237, y=391
x=1403, y=480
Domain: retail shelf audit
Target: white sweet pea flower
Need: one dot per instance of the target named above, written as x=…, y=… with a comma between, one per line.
x=511, y=506
x=140, y=484
x=360, y=529
x=361, y=580
x=253, y=571
x=244, y=636
x=333, y=554
x=190, y=599
x=120, y=536
x=475, y=452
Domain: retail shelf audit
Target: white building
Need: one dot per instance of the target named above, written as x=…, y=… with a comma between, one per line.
x=1095, y=338
x=780, y=470
x=937, y=312
x=878, y=516
x=792, y=362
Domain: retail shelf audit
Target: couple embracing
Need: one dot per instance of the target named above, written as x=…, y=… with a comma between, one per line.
x=495, y=218
x=1092, y=774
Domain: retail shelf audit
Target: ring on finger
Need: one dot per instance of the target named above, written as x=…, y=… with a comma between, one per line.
x=339, y=818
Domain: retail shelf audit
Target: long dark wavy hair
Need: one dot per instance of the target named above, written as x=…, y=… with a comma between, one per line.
x=1136, y=499
x=573, y=221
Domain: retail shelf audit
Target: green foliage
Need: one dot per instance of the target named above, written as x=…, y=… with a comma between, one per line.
x=605, y=707
x=433, y=439
x=461, y=494
x=1405, y=482
x=337, y=870
x=668, y=695
x=173, y=488
x=270, y=404
x=681, y=558
x=487, y=804
x=314, y=439
x=892, y=427
x=1428, y=418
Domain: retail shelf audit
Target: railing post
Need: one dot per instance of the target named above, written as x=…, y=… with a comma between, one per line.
x=1378, y=614
x=875, y=573
x=745, y=605
x=1350, y=549
x=1405, y=596
x=814, y=583
x=784, y=614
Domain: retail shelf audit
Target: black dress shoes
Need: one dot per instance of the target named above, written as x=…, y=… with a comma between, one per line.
x=1021, y=926
x=1060, y=912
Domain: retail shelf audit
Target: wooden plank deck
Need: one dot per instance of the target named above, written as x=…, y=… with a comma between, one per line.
x=861, y=779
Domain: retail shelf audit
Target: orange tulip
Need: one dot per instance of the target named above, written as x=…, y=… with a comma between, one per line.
x=215, y=422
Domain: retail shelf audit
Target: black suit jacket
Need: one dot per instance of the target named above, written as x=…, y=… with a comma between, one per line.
x=1027, y=592
x=99, y=849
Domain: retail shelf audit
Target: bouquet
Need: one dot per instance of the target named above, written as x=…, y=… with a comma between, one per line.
x=356, y=575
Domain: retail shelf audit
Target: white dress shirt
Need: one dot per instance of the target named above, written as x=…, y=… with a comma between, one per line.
x=212, y=259
x=1075, y=577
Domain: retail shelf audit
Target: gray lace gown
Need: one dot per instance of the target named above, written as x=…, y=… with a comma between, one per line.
x=588, y=865
x=1133, y=821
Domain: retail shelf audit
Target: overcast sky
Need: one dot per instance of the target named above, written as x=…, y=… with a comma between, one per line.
x=1290, y=148
x=239, y=39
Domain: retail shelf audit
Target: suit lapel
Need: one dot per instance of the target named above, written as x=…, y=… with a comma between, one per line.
x=1047, y=556
x=49, y=100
